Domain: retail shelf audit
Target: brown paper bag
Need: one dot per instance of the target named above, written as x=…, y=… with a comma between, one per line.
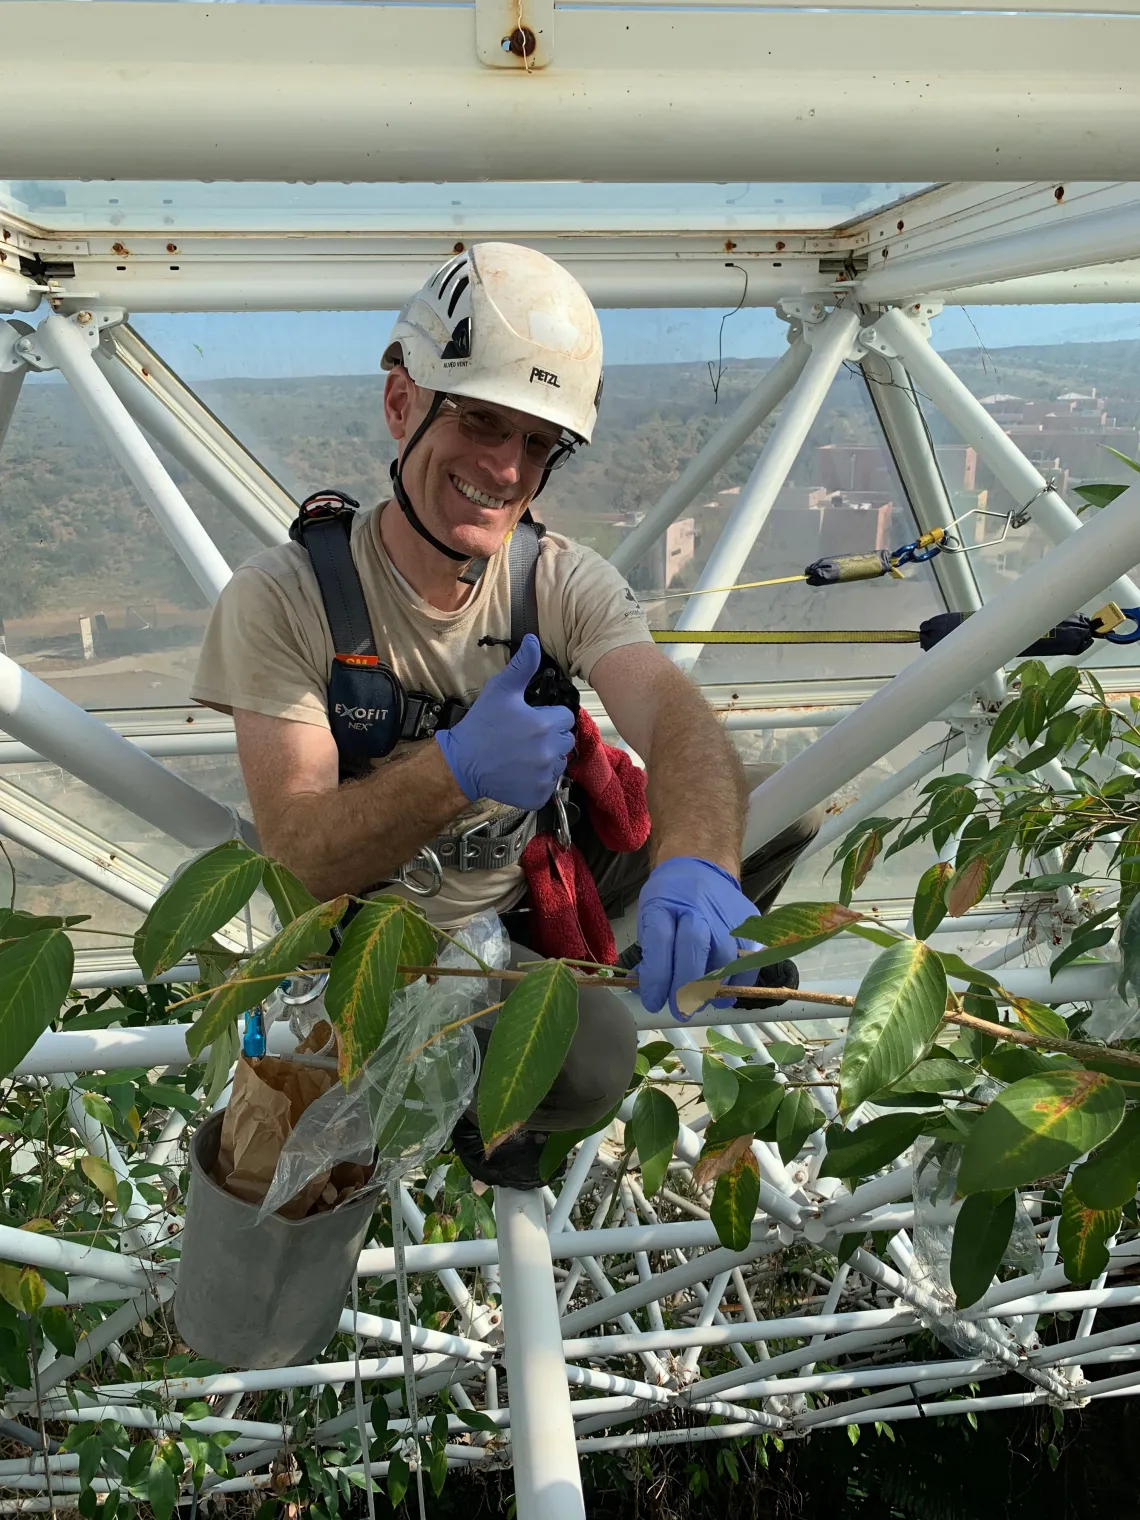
x=268, y=1098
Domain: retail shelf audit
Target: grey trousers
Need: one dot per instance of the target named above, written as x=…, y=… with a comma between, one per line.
x=600, y=1062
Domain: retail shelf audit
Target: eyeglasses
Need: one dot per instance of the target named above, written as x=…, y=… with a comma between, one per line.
x=483, y=425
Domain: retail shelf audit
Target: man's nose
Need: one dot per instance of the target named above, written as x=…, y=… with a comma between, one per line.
x=503, y=462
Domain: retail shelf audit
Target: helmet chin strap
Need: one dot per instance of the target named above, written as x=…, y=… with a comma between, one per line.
x=474, y=567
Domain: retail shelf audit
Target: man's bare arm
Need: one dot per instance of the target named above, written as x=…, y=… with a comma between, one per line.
x=697, y=793
x=340, y=838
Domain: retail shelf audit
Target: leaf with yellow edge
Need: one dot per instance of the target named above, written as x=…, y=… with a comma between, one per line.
x=32, y=1291
x=98, y=1171
x=1039, y=1019
x=1038, y=1126
x=10, y=1285
x=1082, y=1237
x=720, y=1157
x=734, y=1202
x=359, y=991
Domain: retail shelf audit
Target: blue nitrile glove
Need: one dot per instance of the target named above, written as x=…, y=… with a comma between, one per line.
x=504, y=748
x=685, y=917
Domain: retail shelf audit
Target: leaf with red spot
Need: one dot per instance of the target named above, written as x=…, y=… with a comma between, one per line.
x=1082, y=1237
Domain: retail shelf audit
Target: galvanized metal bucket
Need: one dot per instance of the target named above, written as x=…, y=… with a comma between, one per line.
x=260, y=1295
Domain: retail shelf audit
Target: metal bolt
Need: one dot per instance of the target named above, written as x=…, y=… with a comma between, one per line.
x=521, y=42
x=23, y=345
x=83, y=318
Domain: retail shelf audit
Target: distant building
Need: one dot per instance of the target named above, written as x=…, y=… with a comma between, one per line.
x=667, y=559
x=863, y=468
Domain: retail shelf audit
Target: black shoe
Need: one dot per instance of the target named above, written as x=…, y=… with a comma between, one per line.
x=513, y=1163
x=782, y=974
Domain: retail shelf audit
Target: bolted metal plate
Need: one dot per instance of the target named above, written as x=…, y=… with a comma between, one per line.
x=514, y=34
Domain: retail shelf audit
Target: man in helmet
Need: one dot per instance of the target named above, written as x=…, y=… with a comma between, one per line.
x=371, y=647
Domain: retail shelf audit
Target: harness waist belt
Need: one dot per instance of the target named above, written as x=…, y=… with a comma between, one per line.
x=489, y=845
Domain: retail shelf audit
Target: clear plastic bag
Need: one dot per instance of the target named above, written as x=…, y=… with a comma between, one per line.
x=935, y=1179
x=404, y=1103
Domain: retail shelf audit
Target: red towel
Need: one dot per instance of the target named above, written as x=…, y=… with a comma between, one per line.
x=567, y=914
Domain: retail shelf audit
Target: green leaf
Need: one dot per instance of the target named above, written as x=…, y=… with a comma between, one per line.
x=656, y=1125
x=35, y=978
x=1108, y=1179
x=1128, y=854
x=859, y=1152
x=719, y=1084
x=223, y=1054
x=1038, y=1126
x=201, y=899
x=898, y=1010
x=1060, y=688
x=59, y=1330
x=1005, y=728
x=955, y=966
x=98, y=1171
x=756, y=1107
x=299, y=941
x=1098, y=496
x=1034, y=711
x=785, y=1054
x=1082, y=1237
x=977, y=867
x=1010, y=1063
x=359, y=990
x=930, y=898
x=1125, y=459
x=437, y=1471
x=981, y=1234
x=713, y=1039
x=90, y=1459
x=734, y=1202
x=939, y=1074
x=1039, y=1019
x=161, y=1486
x=474, y=1420
x=399, y=1473
x=949, y=812
x=289, y=895
x=798, y=1118
x=529, y=1043
x=1080, y=944
x=1129, y=952
x=98, y=1108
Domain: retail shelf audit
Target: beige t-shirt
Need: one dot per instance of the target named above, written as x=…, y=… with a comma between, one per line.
x=268, y=648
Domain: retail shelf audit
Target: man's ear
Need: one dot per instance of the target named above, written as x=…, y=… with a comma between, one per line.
x=399, y=402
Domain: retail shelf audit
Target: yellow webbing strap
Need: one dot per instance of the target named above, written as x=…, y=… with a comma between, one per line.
x=790, y=636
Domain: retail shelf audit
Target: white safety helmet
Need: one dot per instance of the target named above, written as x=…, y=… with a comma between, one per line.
x=505, y=324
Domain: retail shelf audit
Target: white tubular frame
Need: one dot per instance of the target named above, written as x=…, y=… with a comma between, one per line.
x=556, y=1299
x=70, y=351
x=830, y=339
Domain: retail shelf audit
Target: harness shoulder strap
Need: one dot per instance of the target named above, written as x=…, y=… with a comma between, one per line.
x=324, y=528
x=522, y=565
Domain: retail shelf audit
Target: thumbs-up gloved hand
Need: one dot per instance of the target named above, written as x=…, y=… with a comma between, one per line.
x=504, y=748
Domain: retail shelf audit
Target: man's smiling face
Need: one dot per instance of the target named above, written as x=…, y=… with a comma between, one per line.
x=468, y=491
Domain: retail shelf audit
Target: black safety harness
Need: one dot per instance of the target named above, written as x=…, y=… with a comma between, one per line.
x=371, y=710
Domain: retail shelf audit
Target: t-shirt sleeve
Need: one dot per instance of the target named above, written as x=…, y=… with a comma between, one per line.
x=256, y=655
x=600, y=612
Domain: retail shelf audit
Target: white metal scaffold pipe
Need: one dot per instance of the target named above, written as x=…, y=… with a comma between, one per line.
x=715, y=454
x=830, y=345
x=969, y=418
x=63, y=733
x=62, y=342
x=1064, y=579
x=548, y=1485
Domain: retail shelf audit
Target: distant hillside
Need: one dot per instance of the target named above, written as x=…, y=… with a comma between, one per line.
x=74, y=535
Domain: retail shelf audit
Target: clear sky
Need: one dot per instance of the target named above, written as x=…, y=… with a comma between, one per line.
x=280, y=344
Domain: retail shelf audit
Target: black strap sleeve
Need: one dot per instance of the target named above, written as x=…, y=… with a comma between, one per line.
x=325, y=528
x=522, y=564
